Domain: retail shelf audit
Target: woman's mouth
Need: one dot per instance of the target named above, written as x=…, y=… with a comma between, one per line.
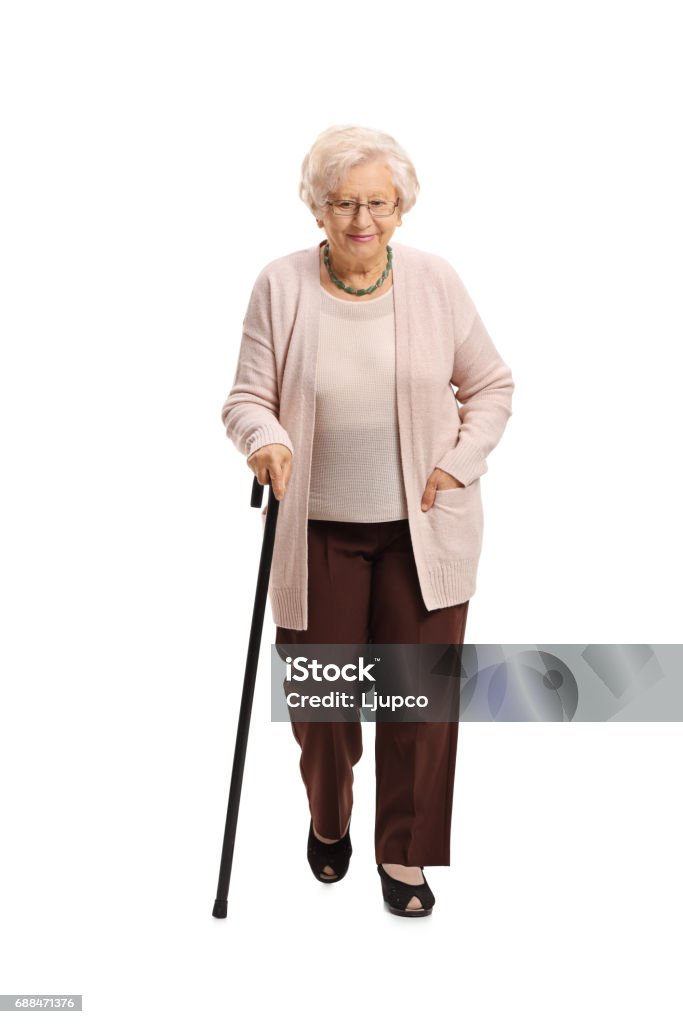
x=361, y=238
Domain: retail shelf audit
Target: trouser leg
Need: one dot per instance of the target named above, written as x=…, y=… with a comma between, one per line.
x=414, y=761
x=339, y=581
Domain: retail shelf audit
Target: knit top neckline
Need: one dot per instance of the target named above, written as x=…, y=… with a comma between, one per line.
x=346, y=309
x=350, y=302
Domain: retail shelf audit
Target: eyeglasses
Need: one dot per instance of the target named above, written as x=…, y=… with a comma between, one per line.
x=349, y=207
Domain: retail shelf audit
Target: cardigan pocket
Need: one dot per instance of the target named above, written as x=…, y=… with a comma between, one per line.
x=456, y=522
x=445, y=493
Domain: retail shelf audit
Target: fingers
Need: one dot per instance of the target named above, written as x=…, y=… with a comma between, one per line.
x=428, y=496
x=286, y=472
x=272, y=464
x=277, y=479
x=438, y=479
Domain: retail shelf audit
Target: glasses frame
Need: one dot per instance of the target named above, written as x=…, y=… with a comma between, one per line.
x=353, y=213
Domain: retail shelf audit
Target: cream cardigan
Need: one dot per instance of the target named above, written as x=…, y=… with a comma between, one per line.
x=440, y=341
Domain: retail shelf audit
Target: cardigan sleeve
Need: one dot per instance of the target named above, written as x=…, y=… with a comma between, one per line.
x=484, y=388
x=250, y=412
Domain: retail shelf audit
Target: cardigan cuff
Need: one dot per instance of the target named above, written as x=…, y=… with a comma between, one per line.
x=465, y=462
x=287, y=606
x=270, y=433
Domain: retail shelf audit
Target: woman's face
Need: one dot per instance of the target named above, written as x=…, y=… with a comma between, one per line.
x=365, y=182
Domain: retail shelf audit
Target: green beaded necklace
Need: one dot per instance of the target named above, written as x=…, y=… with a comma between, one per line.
x=356, y=291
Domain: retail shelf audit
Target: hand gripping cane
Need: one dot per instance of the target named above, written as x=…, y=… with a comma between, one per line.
x=220, y=907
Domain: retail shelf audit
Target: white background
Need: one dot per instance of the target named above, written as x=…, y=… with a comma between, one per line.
x=151, y=155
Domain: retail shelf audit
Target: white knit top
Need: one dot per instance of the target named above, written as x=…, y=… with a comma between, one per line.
x=356, y=471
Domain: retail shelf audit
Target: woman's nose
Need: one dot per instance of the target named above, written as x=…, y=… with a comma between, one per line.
x=362, y=223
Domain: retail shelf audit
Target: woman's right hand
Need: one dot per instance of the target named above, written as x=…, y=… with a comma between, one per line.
x=272, y=464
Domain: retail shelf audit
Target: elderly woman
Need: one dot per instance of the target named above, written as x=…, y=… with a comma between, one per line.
x=343, y=402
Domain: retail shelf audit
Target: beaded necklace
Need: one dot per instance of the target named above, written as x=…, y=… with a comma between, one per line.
x=347, y=288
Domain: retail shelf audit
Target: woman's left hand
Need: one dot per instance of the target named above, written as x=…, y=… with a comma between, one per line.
x=440, y=480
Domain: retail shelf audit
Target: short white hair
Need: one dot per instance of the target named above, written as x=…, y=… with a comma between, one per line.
x=343, y=146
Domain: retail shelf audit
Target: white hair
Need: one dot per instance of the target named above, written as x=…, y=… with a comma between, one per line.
x=343, y=146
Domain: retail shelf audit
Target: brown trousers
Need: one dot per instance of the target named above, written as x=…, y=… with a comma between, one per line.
x=363, y=587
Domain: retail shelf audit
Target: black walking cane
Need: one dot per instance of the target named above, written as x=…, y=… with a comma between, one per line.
x=220, y=907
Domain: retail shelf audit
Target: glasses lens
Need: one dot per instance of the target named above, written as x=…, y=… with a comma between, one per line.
x=377, y=207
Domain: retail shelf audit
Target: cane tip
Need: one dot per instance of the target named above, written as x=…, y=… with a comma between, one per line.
x=220, y=908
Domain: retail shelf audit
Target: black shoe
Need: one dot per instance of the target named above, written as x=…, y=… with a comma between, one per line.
x=334, y=855
x=397, y=895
